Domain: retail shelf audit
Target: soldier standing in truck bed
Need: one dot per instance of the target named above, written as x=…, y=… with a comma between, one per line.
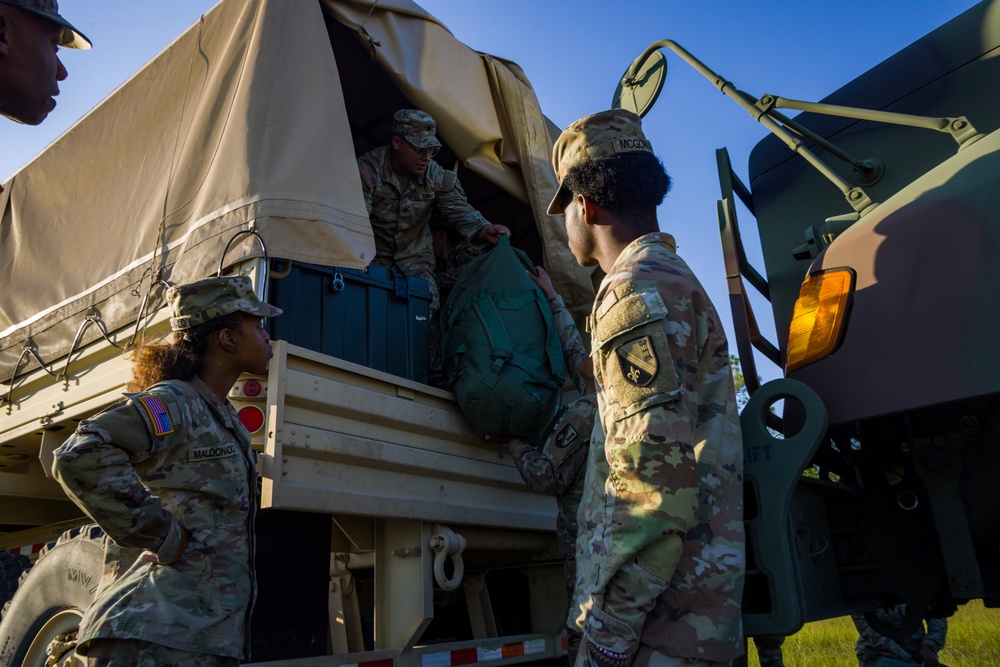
x=404, y=189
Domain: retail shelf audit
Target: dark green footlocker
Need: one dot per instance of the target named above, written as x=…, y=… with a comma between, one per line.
x=372, y=317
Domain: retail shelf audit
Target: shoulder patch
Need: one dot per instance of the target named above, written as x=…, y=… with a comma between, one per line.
x=448, y=180
x=637, y=361
x=566, y=436
x=368, y=174
x=158, y=415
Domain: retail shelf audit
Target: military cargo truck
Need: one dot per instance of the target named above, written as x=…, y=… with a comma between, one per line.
x=390, y=534
x=877, y=216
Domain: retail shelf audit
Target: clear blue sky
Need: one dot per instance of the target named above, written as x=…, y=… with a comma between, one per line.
x=574, y=52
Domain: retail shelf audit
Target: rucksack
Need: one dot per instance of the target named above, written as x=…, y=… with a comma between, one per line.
x=501, y=351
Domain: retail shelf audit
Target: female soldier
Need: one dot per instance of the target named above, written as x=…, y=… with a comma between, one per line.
x=168, y=473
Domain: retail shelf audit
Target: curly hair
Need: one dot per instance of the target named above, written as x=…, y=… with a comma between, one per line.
x=631, y=185
x=182, y=359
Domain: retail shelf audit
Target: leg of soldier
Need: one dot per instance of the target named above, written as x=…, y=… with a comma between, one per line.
x=769, y=650
x=573, y=634
x=113, y=652
x=136, y=653
x=647, y=657
x=435, y=363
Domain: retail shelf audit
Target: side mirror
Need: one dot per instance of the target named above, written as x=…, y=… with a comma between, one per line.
x=637, y=93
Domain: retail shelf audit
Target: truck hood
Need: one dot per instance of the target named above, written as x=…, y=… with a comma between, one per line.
x=922, y=309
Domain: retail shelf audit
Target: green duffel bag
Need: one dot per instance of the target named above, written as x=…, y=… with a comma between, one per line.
x=501, y=352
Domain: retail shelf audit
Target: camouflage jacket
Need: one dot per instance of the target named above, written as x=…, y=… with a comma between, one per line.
x=450, y=266
x=569, y=337
x=660, y=555
x=557, y=469
x=400, y=218
x=168, y=457
x=871, y=646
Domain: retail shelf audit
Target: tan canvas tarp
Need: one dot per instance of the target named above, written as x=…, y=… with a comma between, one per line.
x=241, y=122
x=486, y=112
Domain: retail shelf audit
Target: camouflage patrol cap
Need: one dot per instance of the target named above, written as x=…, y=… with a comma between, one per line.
x=602, y=134
x=417, y=127
x=203, y=300
x=71, y=37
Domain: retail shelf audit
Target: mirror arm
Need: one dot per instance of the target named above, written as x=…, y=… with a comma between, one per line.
x=959, y=127
x=855, y=196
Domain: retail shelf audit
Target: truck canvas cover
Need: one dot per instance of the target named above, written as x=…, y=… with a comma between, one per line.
x=241, y=123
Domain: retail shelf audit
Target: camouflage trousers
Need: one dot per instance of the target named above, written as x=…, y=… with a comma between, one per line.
x=136, y=653
x=650, y=658
x=435, y=362
x=647, y=657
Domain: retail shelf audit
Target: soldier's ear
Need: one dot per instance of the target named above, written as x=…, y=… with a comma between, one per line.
x=396, y=142
x=589, y=209
x=227, y=339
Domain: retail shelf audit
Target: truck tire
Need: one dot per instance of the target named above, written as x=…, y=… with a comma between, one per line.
x=52, y=597
x=12, y=565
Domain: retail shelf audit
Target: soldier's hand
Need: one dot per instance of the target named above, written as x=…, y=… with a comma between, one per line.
x=182, y=546
x=543, y=281
x=491, y=234
x=928, y=657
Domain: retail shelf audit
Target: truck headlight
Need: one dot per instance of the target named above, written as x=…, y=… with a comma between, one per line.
x=819, y=317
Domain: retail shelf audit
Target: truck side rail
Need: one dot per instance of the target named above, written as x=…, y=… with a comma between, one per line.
x=347, y=439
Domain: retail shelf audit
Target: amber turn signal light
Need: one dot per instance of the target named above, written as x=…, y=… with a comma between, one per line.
x=819, y=317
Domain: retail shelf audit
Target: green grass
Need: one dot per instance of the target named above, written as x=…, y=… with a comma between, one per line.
x=973, y=641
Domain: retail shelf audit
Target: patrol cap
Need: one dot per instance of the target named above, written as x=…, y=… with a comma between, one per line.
x=602, y=134
x=195, y=303
x=71, y=37
x=417, y=127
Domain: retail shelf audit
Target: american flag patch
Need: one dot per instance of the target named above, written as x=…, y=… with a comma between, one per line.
x=369, y=176
x=157, y=414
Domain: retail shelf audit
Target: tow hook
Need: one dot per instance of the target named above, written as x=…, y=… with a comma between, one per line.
x=444, y=543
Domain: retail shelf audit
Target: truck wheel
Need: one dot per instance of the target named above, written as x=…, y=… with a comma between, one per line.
x=11, y=567
x=51, y=600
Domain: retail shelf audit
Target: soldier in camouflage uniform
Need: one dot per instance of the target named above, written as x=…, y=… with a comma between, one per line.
x=920, y=648
x=660, y=553
x=168, y=472
x=31, y=32
x=452, y=253
x=404, y=189
x=557, y=469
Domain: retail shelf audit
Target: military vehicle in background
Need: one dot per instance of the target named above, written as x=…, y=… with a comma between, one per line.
x=878, y=220
x=390, y=534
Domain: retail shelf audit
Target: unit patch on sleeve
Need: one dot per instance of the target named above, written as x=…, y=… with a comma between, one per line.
x=158, y=416
x=637, y=360
x=566, y=436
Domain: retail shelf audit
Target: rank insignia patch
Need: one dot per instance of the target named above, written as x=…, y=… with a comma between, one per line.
x=158, y=415
x=638, y=362
x=566, y=436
